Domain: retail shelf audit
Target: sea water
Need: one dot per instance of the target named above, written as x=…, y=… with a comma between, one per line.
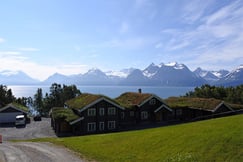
x=110, y=91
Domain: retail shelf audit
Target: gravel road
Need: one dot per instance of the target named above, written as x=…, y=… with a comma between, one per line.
x=33, y=151
x=39, y=152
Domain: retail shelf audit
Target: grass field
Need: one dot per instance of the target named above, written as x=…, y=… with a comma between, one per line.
x=212, y=140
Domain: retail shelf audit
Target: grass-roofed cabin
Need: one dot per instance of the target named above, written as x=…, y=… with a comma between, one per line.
x=98, y=113
x=9, y=112
x=62, y=120
x=143, y=108
x=198, y=108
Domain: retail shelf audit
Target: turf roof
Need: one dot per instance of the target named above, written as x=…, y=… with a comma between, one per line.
x=197, y=103
x=17, y=106
x=131, y=99
x=85, y=99
x=64, y=114
x=236, y=106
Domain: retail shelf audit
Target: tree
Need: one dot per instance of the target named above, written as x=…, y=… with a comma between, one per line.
x=6, y=95
x=38, y=102
x=229, y=94
x=56, y=98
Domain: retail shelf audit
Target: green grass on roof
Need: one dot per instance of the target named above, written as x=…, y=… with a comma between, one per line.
x=130, y=99
x=86, y=99
x=236, y=106
x=198, y=103
x=21, y=107
x=64, y=114
x=82, y=100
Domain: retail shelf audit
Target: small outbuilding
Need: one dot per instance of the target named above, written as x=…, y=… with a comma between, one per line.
x=198, y=108
x=9, y=112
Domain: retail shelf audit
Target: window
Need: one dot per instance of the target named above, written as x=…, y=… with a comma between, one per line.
x=144, y=115
x=102, y=111
x=152, y=101
x=178, y=112
x=92, y=112
x=122, y=115
x=102, y=126
x=91, y=127
x=111, y=124
x=131, y=113
x=111, y=111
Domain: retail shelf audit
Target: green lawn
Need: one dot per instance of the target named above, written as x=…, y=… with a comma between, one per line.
x=212, y=140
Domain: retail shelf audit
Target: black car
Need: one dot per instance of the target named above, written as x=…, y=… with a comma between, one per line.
x=37, y=118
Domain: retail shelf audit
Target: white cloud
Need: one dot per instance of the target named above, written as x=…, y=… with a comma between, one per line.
x=72, y=69
x=16, y=61
x=194, y=10
x=9, y=53
x=2, y=40
x=215, y=41
x=28, y=49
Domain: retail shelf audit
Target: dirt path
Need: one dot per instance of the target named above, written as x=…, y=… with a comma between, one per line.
x=31, y=151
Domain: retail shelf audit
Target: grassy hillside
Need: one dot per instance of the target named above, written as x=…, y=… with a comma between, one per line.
x=212, y=140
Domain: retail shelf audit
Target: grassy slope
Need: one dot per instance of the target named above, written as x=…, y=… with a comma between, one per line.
x=213, y=140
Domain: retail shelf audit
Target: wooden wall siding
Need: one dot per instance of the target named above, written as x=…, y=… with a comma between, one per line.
x=100, y=118
x=150, y=106
x=189, y=114
x=163, y=115
x=128, y=119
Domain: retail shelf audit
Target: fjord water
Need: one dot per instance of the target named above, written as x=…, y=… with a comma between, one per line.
x=110, y=91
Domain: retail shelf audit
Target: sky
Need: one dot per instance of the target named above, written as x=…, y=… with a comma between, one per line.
x=42, y=37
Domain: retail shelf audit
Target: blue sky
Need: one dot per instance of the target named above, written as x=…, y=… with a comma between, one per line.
x=42, y=37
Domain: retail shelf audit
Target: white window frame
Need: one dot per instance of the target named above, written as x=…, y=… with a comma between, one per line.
x=91, y=112
x=111, y=125
x=102, y=126
x=152, y=101
x=91, y=127
x=102, y=111
x=144, y=115
x=111, y=111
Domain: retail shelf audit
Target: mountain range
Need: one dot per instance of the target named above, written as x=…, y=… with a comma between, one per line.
x=171, y=74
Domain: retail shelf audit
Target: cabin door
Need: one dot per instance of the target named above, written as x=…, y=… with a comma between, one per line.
x=158, y=116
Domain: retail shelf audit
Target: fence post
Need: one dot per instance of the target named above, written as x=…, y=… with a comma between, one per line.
x=1, y=139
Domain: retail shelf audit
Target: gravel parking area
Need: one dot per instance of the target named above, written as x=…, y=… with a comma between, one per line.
x=36, y=129
x=32, y=151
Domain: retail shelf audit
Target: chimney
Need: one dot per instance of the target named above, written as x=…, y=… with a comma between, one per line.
x=140, y=90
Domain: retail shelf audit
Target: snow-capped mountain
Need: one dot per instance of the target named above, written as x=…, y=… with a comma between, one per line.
x=94, y=76
x=16, y=77
x=207, y=75
x=151, y=70
x=58, y=78
x=235, y=77
x=136, y=77
x=220, y=73
x=211, y=76
x=174, y=74
x=170, y=74
x=120, y=74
